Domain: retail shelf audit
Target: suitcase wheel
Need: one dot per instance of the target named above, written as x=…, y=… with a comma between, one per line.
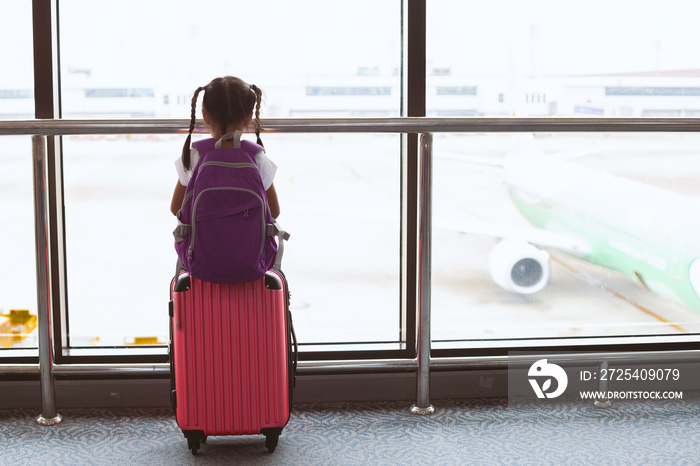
x=193, y=444
x=271, y=441
x=195, y=438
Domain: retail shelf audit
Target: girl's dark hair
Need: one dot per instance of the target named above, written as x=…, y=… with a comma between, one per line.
x=227, y=100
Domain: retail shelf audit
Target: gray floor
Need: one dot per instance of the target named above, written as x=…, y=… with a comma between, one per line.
x=482, y=431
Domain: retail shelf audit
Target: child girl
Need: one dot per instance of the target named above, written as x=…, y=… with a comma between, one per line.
x=228, y=107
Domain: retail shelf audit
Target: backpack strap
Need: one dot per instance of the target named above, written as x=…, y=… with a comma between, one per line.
x=235, y=136
x=274, y=229
x=204, y=145
x=181, y=231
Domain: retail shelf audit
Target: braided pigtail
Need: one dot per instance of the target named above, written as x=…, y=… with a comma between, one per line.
x=193, y=120
x=258, y=99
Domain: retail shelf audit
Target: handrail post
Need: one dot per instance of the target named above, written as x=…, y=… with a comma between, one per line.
x=423, y=405
x=48, y=416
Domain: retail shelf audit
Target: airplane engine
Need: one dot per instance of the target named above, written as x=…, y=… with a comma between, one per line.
x=519, y=266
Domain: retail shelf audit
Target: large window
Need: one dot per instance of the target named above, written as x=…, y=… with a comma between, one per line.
x=554, y=236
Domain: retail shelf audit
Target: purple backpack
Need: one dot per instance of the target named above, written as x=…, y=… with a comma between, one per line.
x=225, y=232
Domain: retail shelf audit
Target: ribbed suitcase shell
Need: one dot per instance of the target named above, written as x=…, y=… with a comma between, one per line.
x=231, y=357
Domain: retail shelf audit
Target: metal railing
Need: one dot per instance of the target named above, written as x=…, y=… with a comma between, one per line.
x=415, y=125
x=48, y=415
x=422, y=364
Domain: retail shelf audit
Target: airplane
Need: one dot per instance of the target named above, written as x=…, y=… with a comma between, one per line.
x=646, y=233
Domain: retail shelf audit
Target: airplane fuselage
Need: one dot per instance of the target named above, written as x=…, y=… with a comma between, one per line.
x=649, y=234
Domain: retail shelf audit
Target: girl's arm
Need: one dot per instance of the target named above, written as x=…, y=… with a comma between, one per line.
x=178, y=196
x=272, y=201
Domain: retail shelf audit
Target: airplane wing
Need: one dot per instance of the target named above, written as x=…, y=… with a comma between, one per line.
x=566, y=242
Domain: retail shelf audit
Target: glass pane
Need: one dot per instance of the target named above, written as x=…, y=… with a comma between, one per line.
x=298, y=53
x=565, y=235
x=18, y=303
x=18, y=291
x=340, y=199
x=340, y=202
x=17, y=87
x=549, y=59
x=119, y=250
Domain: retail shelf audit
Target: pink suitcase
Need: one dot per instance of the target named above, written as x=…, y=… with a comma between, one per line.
x=233, y=358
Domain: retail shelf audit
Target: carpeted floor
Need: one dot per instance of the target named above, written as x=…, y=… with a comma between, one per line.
x=482, y=431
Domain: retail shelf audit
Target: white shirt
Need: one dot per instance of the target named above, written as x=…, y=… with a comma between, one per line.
x=266, y=166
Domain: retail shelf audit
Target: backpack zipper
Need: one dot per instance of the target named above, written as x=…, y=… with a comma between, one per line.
x=190, y=193
x=230, y=188
x=230, y=165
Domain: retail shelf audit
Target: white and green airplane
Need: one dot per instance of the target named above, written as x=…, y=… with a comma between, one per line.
x=649, y=234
